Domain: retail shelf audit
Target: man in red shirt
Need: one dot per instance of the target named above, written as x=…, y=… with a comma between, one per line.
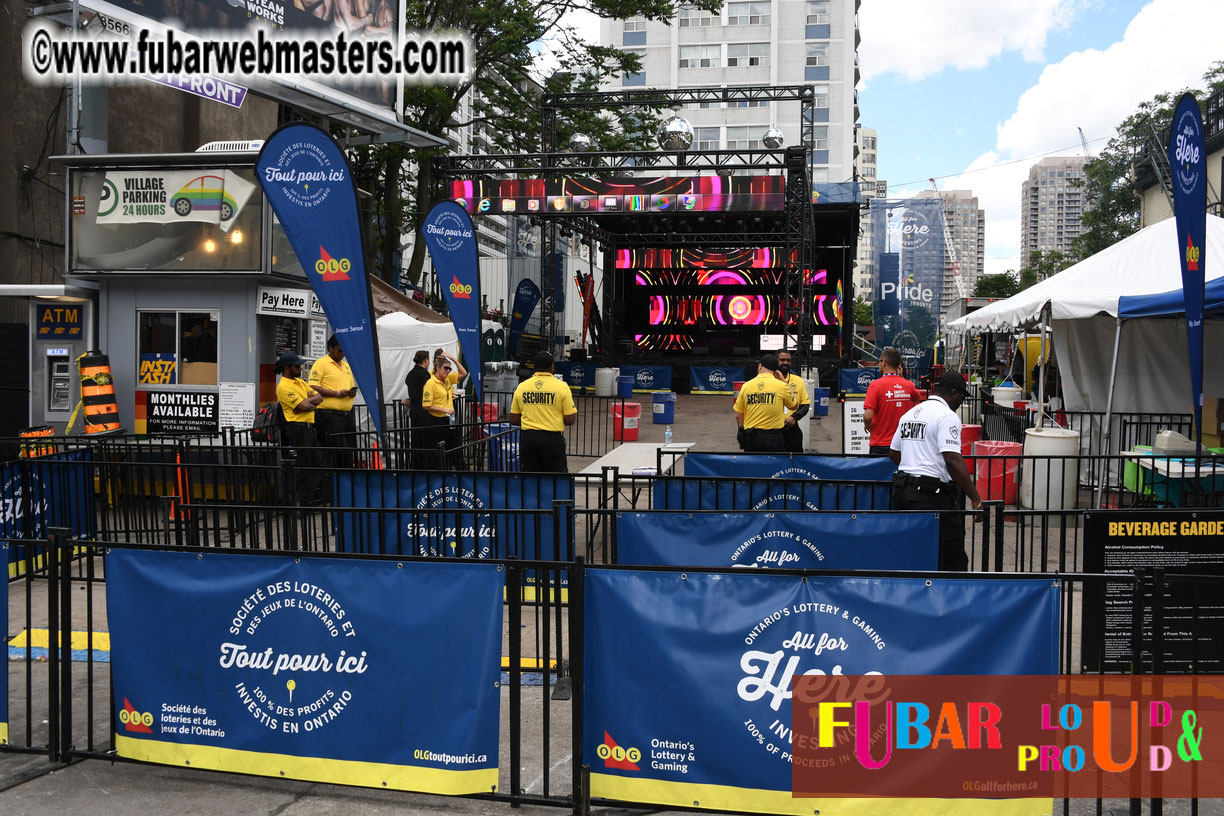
x=888, y=397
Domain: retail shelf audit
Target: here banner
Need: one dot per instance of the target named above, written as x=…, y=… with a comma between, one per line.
x=700, y=493
x=308, y=668
x=793, y=540
x=699, y=715
x=578, y=376
x=716, y=379
x=648, y=379
x=789, y=466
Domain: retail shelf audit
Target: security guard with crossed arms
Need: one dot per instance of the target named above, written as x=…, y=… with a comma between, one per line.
x=759, y=409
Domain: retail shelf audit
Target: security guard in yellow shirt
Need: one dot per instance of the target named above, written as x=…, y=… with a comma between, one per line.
x=791, y=431
x=759, y=409
x=438, y=400
x=335, y=424
x=298, y=405
x=543, y=406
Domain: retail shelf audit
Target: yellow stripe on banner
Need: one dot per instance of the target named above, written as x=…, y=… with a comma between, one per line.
x=532, y=594
x=40, y=639
x=529, y=663
x=724, y=797
x=3, y=733
x=310, y=769
x=17, y=568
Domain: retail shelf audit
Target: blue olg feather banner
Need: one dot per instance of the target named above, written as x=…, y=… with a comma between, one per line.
x=452, y=246
x=310, y=186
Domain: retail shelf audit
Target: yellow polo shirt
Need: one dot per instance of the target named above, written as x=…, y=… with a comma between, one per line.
x=437, y=394
x=543, y=402
x=333, y=376
x=289, y=392
x=762, y=399
x=794, y=382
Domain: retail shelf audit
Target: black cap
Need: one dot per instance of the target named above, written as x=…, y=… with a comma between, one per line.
x=542, y=361
x=769, y=362
x=952, y=381
x=289, y=358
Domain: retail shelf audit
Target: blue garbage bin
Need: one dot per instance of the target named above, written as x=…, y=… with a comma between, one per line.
x=820, y=402
x=503, y=450
x=665, y=408
x=624, y=387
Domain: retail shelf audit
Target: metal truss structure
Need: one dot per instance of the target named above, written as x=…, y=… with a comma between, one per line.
x=792, y=229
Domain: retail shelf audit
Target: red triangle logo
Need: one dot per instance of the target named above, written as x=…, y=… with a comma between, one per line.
x=133, y=720
x=1192, y=255
x=329, y=268
x=614, y=751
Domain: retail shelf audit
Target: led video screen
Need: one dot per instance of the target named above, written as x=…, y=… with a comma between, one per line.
x=620, y=196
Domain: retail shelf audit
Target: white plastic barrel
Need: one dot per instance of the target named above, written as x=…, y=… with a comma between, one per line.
x=1049, y=484
x=805, y=422
x=605, y=381
x=1005, y=395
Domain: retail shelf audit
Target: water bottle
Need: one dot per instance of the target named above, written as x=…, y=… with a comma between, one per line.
x=667, y=436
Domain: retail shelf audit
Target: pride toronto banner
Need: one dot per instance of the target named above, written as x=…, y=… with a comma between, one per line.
x=308, y=668
x=451, y=240
x=699, y=713
x=310, y=186
x=834, y=541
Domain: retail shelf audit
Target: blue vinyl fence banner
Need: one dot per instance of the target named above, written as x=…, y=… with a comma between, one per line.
x=793, y=540
x=648, y=379
x=451, y=239
x=908, y=257
x=310, y=186
x=38, y=494
x=789, y=466
x=855, y=380
x=579, y=376
x=716, y=379
x=308, y=668
x=1188, y=159
x=690, y=674
x=526, y=296
x=693, y=493
x=473, y=533
x=4, y=548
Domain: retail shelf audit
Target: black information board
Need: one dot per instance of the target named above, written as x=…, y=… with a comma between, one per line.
x=179, y=412
x=1177, y=542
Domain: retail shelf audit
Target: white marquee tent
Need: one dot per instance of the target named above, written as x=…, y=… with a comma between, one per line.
x=1123, y=301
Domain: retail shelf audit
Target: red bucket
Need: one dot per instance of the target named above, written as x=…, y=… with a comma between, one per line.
x=489, y=411
x=736, y=386
x=625, y=428
x=969, y=435
x=995, y=469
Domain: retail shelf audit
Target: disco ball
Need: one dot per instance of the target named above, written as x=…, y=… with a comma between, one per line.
x=676, y=134
x=772, y=138
x=580, y=143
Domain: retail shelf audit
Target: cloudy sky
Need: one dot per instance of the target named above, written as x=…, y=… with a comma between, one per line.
x=974, y=92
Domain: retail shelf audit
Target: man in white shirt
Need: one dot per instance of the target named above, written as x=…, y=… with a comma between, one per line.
x=931, y=475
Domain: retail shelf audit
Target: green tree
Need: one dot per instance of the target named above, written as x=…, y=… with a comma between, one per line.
x=1111, y=197
x=1042, y=265
x=1002, y=285
x=862, y=313
x=505, y=37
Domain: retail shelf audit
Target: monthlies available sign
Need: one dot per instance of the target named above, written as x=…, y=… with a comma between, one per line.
x=177, y=412
x=699, y=713
x=212, y=196
x=308, y=668
x=834, y=541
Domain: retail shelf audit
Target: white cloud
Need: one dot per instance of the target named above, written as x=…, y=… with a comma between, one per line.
x=916, y=40
x=582, y=25
x=1092, y=89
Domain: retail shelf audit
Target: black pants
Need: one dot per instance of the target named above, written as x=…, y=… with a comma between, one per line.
x=425, y=440
x=792, y=437
x=879, y=450
x=301, y=438
x=758, y=440
x=337, y=432
x=542, y=452
x=948, y=501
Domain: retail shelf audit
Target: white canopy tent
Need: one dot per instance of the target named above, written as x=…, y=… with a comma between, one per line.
x=1144, y=368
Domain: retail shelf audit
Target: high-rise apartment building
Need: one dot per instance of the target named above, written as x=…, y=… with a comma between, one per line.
x=1051, y=205
x=967, y=227
x=756, y=42
x=871, y=187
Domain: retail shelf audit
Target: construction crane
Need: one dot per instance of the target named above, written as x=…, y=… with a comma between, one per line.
x=958, y=280
x=1084, y=142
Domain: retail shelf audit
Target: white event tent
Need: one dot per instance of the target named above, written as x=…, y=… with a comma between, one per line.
x=1118, y=323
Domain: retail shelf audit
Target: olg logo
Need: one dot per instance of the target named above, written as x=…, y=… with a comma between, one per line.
x=332, y=268
x=133, y=720
x=460, y=290
x=616, y=756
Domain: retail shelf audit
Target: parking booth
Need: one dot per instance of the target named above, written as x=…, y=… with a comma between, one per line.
x=198, y=288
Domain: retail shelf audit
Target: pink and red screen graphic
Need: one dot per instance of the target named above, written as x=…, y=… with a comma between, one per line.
x=598, y=196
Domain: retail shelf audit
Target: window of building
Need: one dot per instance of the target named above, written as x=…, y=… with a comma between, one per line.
x=869, y=143
x=745, y=138
x=820, y=137
x=635, y=24
x=750, y=103
x=177, y=348
x=817, y=54
x=635, y=77
x=691, y=17
x=818, y=12
x=820, y=96
x=748, y=13
x=869, y=158
x=706, y=138
x=700, y=56
x=820, y=174
x=869, y=172
x=740, y=55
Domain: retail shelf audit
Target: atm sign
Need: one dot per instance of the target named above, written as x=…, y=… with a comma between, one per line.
x=58, y=322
